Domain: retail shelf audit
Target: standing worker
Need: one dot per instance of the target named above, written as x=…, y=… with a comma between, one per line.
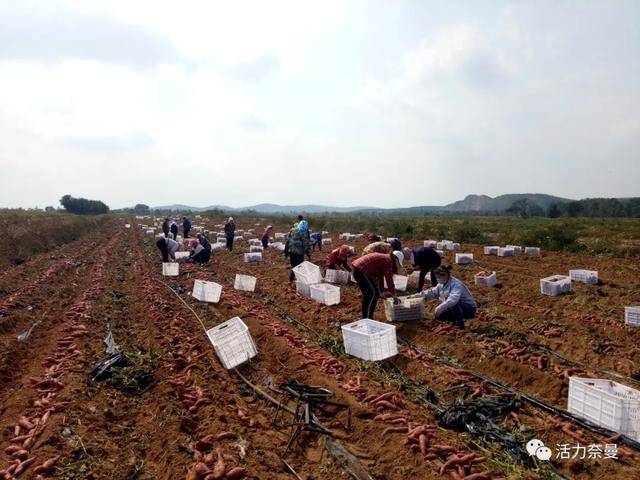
x=424, y=259
x=370, y=271
x=296, y=247
x=168, y=247
x=165, y=227
x=266, y=235
x=456, y=301
x=337, y=259
x=174, y=229
x=186, y=226
x=230, y=232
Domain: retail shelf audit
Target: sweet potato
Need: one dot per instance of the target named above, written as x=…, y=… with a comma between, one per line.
x=219, y=468
x=236, y=473
x=47, y=466
x=225, y=436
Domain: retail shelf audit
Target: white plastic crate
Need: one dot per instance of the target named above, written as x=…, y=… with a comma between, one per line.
x=277, y=246
x=399, y=281
x=303, y=289
x=239, y=232
x=493, y=250
x=414, y=278
x=170, y=269
x=632, y=316
x=390, y=239
x=238, y=238
x=150, y=231
x=408, y=309
x=357, y=236
x=127, y=225
x=344, y=236
x=370, y=340
x=516, y=248
x=232, y=342
x=253, y=257
x=279, y=236
x=442, y=245
x=325, y=293
x=324, y=232
x=555, y=285
x=454, y=246
x=178, y=255
x=336, y=276
x=308, y=273
x=206, y=291
x=327, y=241
x=441, y=253
x=217, y=246
x=486, y=279
x=255, y=248
x=584, y=276
x=506, y=252
x=606, y=403
x=430, y=243
x=244, y=283
x=464, y=258
x=533, y=251
x=254, y=242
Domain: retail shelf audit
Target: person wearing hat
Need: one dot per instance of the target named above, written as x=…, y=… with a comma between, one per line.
x=296, y=247
x=174, y=229
x=266, y=235
x=377, y=247
x=456, y=301
x=370, y=271
x=425, y=260
x=199, y=254
x=230, y=232
x=186, y=226
x=372, y=238
x=168, y=247
x=337, y=259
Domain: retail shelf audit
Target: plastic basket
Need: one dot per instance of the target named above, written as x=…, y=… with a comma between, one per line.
x=408, y=309
x=253, y=257
x=485, y=279
x=206, y=291
x=277, y=246
x=327, y=241
x=370, y=340
x=464, y=258
x=170, y=269
x=454, y=246
x=584, y=276
x=555, y=285
x=244, y=283
x=232, y=342
x=429, y=244
x=632, y=316
x=533, y=251
x=491, y=250
x=506, y=252
x=308, y=273
x=255, y=248
x=151, y=231
x=303, y=289
x=279, y=236
x=516, y=248
x=607, y=404
x=325, y=293
x=336, y=276
x=178, y=255
x=254, y=242
x=399, y=281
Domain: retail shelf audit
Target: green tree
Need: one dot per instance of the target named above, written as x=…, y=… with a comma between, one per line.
x=82, y=206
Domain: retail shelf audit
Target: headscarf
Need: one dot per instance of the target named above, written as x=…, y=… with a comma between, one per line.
x=231, y=220
x=303, y=226
x=193, y=243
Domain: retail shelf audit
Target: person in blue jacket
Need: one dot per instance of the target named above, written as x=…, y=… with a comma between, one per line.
x=456, y=301
x=316, y=241
x=186, y=226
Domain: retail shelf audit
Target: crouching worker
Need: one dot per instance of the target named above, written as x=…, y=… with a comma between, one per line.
x=337, y=259
x=369, y=272
x=199, y=253
x=456, y=301
x=168, y=248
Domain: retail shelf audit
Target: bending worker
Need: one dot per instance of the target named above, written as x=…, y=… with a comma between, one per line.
x=370, y=271
x=266, y=235
x=199, y=253
x=456, y=301
x=316, y=241
x=337, y=259
x=424, y=259
x=168, y=247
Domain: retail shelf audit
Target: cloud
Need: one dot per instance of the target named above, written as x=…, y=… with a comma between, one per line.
x=109, y=144
x=256, y=69
x=51, y=32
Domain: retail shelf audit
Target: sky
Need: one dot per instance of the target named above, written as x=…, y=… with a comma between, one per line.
x=385, y=103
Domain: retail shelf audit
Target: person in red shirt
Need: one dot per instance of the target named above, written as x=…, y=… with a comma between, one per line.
x=370, y=271
x=337, y=259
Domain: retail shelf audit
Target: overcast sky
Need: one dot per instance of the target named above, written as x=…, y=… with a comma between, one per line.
x=384, y=103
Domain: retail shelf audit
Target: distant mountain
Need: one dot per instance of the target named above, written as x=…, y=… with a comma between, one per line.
x=479, y=203
x=471, y=204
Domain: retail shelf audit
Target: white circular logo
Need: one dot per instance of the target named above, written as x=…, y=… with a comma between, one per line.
x=543, y=453
x=533, y=445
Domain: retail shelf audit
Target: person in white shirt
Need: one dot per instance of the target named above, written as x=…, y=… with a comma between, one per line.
x=456, y=301
x=168, y=247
